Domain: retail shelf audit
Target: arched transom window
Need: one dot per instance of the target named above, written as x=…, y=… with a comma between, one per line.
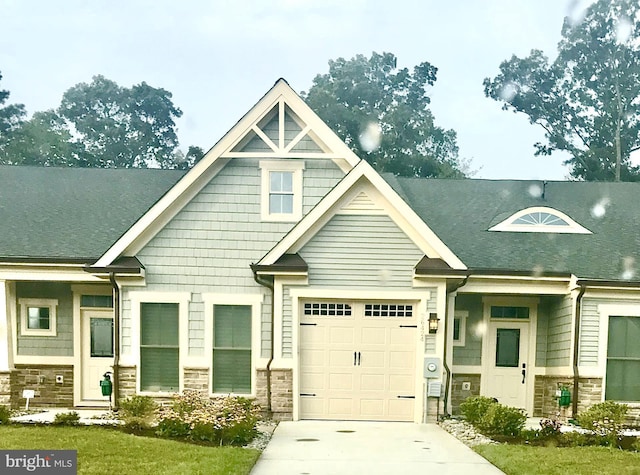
x=540, y=220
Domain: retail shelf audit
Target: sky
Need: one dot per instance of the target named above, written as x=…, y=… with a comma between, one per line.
x=219, y=57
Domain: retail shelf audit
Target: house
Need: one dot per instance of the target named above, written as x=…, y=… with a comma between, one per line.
x=283, y=267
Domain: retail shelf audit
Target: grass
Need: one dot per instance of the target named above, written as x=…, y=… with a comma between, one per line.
x=108, y=451
x=527, y=460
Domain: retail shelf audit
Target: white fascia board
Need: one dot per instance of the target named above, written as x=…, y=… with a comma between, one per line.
x=405, y=218
x=207, y=168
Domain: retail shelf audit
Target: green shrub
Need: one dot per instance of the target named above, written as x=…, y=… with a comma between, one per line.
x=550, y=427
x=5, y=414
x=136, y=425
x=194, y=416
x=604, y=419
x=475, y=407
x=138, y=407
x=502, y=420
x=66, y=419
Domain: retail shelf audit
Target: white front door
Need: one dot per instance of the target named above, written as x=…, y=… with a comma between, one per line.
x=357, y=361
x=97, y=353
x=508, y=363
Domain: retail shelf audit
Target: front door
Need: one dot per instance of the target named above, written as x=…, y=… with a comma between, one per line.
x=508, y=363
x=97, y=352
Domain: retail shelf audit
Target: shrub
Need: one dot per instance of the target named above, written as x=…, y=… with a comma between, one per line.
x=138, y=406
x=604, y=419
x=550, y=427
x=5, y=414
x=194, y=416
x=502, y=420
x=136, y=425
x=475, y=407
x=66, y=419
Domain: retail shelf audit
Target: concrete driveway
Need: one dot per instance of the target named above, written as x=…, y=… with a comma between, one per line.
x=370, y=448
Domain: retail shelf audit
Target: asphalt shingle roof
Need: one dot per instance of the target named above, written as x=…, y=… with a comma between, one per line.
x=73, y=214
x=460, y=212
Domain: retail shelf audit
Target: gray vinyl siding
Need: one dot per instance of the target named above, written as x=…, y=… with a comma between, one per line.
x=62, y=343
x=471, y=353
x=559, y=332
x=542, y=329
x=360, y=251
x=209, y=245
x=287, y=324
x=432, y=307
x=590, y=328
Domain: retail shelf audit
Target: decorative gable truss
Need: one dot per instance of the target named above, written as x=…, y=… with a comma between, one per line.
x=280, y=126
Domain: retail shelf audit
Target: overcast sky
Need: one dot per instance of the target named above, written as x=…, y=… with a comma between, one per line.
x=219, y=57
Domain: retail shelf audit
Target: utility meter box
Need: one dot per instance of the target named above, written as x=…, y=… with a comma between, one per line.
x=432, y=368
x=434, y=389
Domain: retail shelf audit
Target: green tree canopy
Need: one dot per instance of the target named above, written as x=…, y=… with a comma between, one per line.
x=11, y=117
x=587, y=99
x=121, y=127
x=381, y=112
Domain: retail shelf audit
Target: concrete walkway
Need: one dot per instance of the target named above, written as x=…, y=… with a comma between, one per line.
x=371, y=448
x=87, y=416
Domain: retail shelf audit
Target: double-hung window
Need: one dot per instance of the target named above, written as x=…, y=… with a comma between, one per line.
x=281, y=190
x=623, y=359
x=159, y=347
x=232, y=349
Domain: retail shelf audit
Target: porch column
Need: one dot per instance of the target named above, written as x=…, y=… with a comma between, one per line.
x=5, y=328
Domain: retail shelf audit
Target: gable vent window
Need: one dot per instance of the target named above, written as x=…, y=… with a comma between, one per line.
x=388, y=310
x=327, y=309
x=540, y=219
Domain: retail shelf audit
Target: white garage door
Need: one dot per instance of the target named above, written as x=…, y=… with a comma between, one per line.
x=357, y=361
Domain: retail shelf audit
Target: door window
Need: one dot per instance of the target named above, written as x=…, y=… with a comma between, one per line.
x=101, y=330
x=507, y=347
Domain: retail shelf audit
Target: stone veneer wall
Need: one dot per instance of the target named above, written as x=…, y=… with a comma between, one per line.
x=281, y=393
x=127, y=381
x=196, y=379
x=42, y=379
x=5, y=388
x=545, y=403
x=458, y=394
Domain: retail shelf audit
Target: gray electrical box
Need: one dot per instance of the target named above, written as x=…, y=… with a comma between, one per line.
x=432, y=368
x=434, y=389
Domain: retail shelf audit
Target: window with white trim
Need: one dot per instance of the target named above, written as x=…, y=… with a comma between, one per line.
x=540, y=219
x=38, y=317
x=623, y=359
x=281, y=194
x=459, y=327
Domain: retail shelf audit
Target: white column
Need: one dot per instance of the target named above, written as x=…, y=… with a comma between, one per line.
x=5, y=333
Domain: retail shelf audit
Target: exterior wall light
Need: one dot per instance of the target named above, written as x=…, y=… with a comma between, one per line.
x=433, y=323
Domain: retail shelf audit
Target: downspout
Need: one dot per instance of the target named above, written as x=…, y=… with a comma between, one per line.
x=116, y=340
x=576, y=354
x=444, y=355
x=268, y=285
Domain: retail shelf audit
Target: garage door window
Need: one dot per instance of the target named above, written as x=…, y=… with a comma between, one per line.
x=327, y=309
x=388, y=310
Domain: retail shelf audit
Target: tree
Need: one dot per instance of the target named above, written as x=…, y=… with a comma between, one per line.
x=588, y=99
x=382, y=113
x=42, y=140
x=184, y=162
x=120, y=127
x=11, y=116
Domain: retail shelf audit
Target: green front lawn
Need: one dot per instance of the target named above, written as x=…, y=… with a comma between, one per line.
x=522, y=459
x=107, y=451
